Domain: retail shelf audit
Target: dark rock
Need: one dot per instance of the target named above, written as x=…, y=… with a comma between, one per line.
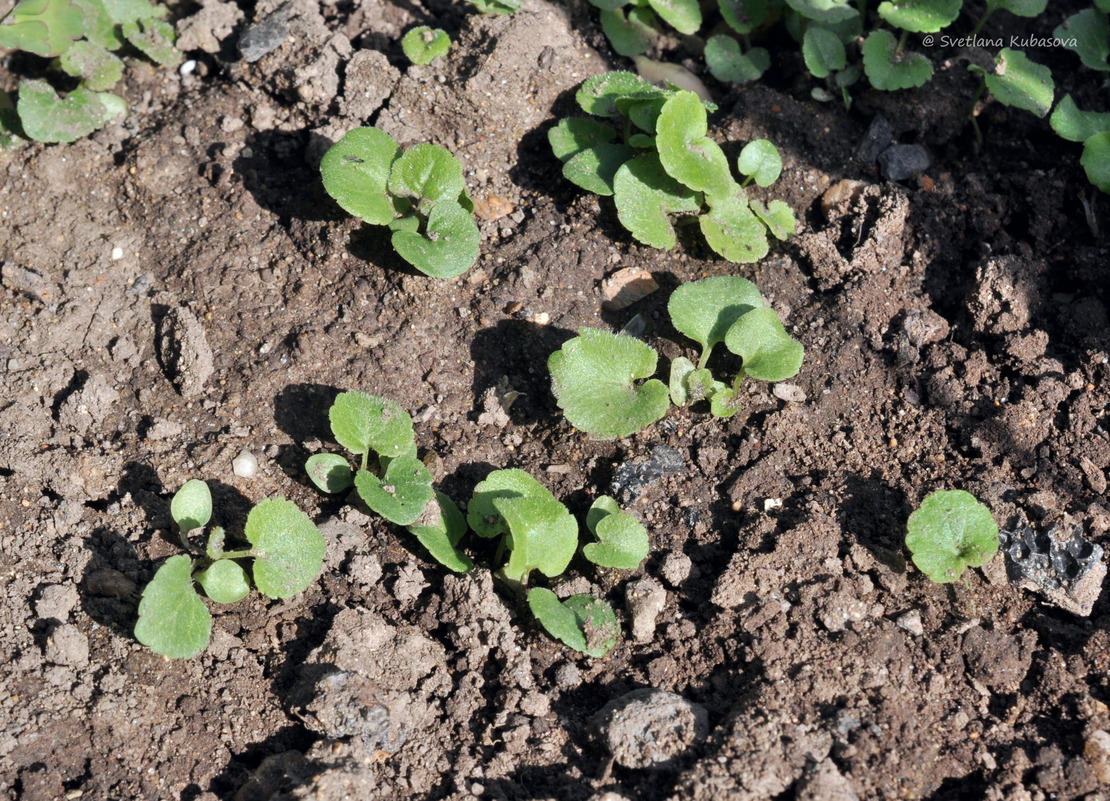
x=266, y=35
x=879, y=136
x=630, y=478
x=1060, y=564
x=899, y=162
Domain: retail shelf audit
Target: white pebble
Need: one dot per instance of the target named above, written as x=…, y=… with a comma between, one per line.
x=245, y=465
x=188, y=67
x=117, y=254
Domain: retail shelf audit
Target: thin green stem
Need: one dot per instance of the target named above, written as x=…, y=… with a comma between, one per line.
x=901, y=44
x=974, y=120
x=983, y=19
x=704, y=357
x=243, y=554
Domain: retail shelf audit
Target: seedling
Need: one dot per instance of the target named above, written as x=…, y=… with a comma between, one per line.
x=286, y=555
x=424, y=45
x=1093, y=130
x=1021, y=8
x=395, y=484
x=419, y=194
x=651, y=152
x=729, y=64
x=1090, y=33
x=728, y=309
x=949, y=532
x=582, y=622
x=622, y=539
x=82, y=35
x=594, y=381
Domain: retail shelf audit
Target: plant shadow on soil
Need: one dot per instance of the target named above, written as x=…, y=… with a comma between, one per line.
x=281, y=178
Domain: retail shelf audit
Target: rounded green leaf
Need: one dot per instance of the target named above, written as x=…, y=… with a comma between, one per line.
x=403, y=492
x=429, y=172
x=723, y=401
x=329, y=472
x=823, y=52
x=100, y=28
x=729, y=65
x=769, y=353
x=582, y=622
x=645, y=195
x=760, y=159
x=594, y=168
x=1091, y=32
x=289, y=549
x=685, y=152
x=1096, y=160
x=682, y=15
x=604, y=506
x=630, y=35
x=623, y=542
x=355, y=171
x=1075, y=125
x=43, y=27
x=1022, y=8
x=440, y=534
x=173, y=620
x=543, y=536
x=482, y=514
x=825, y=11
x=224, y=581
x=609, y=5
x=99, y=69
x=424, y=44
x=949, y=532
x=778, y=218
x=574, y=134
x=448, y=248
x=744, y=16
x=191, y=506
x=920, y=16
x=598, y=94
x=45, y=117
x=1021, y=83
x=733, y=231
x=705, y=310
x=681, y=368
x=888, y=70
x=593, y=379
x=362, y=423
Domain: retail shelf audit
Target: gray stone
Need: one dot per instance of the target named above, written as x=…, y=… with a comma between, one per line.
x=1059, y=564
x=266, y=35
x=879, y=136
x=645, y=600
x=631, y=477
x=56, y=601
x=899, y=162
x=648, y=728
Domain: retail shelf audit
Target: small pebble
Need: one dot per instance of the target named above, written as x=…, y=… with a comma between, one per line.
x=645, y=600
x=117, y=254
x=911, y=622
x=188, y=68
x=245, y=464
x=676, y=568
x=648, y=728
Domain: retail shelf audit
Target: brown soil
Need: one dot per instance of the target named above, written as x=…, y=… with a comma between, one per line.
x=956, y=329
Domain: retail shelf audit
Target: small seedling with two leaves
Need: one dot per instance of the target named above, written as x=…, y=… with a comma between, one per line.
x=594, y=375
x=286, y=554
x=83, y=36
x=424, y=44
x=1017, y=82
x=396, y=485
x=420, y=194
x=951, y=531
x=650, y=151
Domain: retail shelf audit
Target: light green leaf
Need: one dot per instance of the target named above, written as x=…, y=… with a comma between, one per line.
x=825, y=11
x=609, y=5
x=543, y=536
x=598, y=94
x=441, y=534
x=723, y=401
x=423, y=44
x=685, y=151
x=601, y=508
x=1096, y=160
x=225, y=582
x=1091, y=33
x=191, y=506
x=778, y=218
x=496, y=6
x=1022, y=8
x=173, y=620
x=645, y=194
x=889, y=70
x=682, y=15
x=705, y=310
x=100, y=28
x=733, y=231
x=429, y=172
x=1075, y=125
x=574, y=134
x=949, y=532
x=761, y=160
x=329, y=471
x=153, y=38
x=483, y=516
x=594, y=168
x=362, y=423
x=125, y=11
x=729, y=65
x=289, y=549
x=43, y=27
x=1019, y=82
x=823, y=52
x=45, y=117
x=356, y=173
x=593, y=379
x=448, y=248
x=623, y=542
x=920, y=16
x=681, y=367
x=99, y=69
x=769, y=353
x=402, y=493
x=582, y=622
x=744, y=16
x=630, y=35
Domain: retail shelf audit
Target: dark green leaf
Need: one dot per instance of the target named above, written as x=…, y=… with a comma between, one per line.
x=330, y=472
x=356, y=172
x=574, y=134
x=823, y=52
x=890, y=70
x=1075, y=125
x=448, y=248
x=1096, y=160
x=440, y=534
x=403, y=492
x=920, y=16
x=594, y=168
x=582, y=622
x=645, y=195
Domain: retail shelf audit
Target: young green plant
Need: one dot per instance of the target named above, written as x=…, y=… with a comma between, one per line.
x=1017, y=82
x=951, y=531
x=395, y=483
x=286, y=554
x=1092, y=128
x=420, y=194
x=423, y=45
